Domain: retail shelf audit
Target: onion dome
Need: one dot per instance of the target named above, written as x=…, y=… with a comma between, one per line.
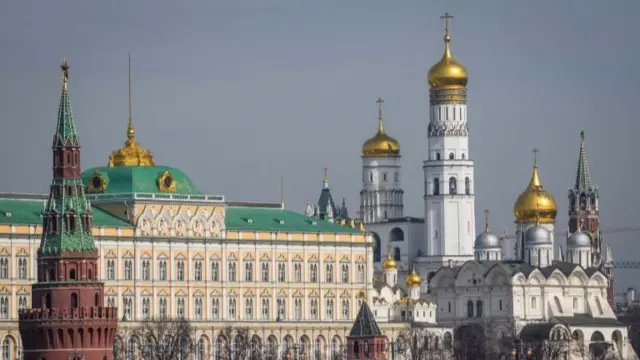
x=579, y=239
x=487, y=239
x=537, y=235
x=413, y=279
x=535, y=203
x=389, y=263
x=447, y=73
x=131, y=154
x=381, y=144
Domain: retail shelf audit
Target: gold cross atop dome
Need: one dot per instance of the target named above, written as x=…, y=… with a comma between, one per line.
x=447, y=73
x=446, y=18
x=535, y=203
x=486, y=220
x=381, y=144
x=131, y=154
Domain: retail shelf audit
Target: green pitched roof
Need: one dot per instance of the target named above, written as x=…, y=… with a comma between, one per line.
x=28, y=211
x=262, y=218
x=139, y=179
x=365, y=323
x=583, y=175
x=66, y=126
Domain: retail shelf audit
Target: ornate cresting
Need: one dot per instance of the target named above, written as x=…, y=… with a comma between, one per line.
x=131, y=154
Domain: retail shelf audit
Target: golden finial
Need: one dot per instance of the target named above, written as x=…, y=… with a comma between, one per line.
x=486, y=220
x=325, y=179
x=65, y=73
x=130, y=131
x=380, y=124
x=446, y=18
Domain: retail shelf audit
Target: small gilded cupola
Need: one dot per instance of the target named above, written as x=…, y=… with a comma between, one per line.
x=448, y=72
x=535, y=203
x=381, y=144
x=131, y=154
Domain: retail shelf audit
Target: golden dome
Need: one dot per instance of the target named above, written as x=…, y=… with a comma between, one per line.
x=381, y=144
x=389, y=263
x=447, y=73
x=535, y=203
x=131, y=154
x=413, y=279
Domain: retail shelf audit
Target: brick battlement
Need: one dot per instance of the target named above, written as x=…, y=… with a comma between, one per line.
x=91, y=313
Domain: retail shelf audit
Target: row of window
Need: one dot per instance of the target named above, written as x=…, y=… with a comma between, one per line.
x=453, y=186
x=232, y=308
x=22, y=268
x=450, y=113
x=452, y=156
x=385, y=177
x=265, y=274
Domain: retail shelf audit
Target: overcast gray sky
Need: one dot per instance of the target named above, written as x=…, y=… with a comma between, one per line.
x=238, y=93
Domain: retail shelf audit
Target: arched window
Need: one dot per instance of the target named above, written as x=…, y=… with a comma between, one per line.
x=72, y=274
x=6, y=349
x=74, y=301
x=467, y=186
x=575, y=303
x=469, y=308
x=451, y=156
x=448, y=340
x=90, y=275
x=96, y=300
x=453, y=188
x=371, y=177
x=437, y=156
x=377, y=250
x=436, y=186
x=479, y=308
x=463, y=156
x=396, y=254
x=396, y=234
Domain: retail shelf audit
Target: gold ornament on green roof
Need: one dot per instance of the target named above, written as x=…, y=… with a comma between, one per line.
x=166, y=182
x=131, y=154
x=97, y=183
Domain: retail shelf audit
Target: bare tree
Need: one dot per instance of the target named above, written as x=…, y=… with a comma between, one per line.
x=238, y=345
x=420, y=344
x=161, y=339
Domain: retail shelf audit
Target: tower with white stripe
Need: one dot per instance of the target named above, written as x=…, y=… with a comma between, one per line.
x=448, y=171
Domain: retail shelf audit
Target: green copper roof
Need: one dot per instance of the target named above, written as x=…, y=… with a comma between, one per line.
x=137, y=179
x=583, y=175
x=28, y=212
x=66, y=126
x=256, y=218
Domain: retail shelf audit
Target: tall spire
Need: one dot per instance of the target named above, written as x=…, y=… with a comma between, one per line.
x=130, y=131
x=583, y=175
x=66, y=127
x=131, y=154
x=67, y=215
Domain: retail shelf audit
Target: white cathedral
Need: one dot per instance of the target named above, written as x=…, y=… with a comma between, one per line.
x=456, y=278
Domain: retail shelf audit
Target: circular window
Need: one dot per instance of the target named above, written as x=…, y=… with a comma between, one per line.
x=96, y=182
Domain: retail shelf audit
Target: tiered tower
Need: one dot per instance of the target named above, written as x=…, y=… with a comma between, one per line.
x=67, y=319
x=381, y=195
x=448, y=172
x=583, y=205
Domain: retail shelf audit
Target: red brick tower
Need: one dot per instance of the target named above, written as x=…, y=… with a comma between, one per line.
x=68, y=319
x=584, y=212
x=365, y=341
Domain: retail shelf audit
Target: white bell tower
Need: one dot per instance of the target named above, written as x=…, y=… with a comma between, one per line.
x=381, y=194
x=448, y=170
